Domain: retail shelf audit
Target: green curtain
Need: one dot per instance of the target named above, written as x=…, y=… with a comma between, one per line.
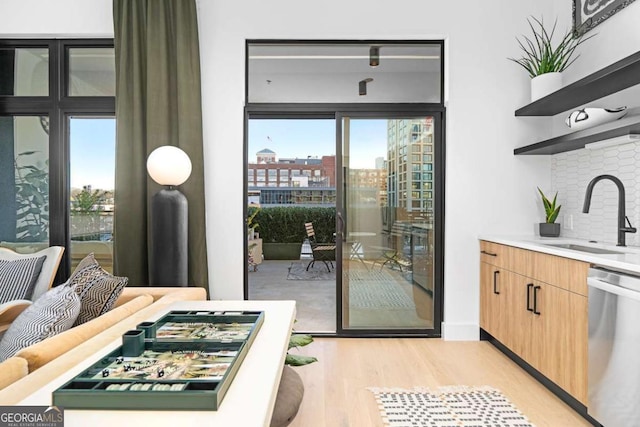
x=157, y=103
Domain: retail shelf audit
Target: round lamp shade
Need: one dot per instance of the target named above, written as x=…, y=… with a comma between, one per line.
x=169, y=165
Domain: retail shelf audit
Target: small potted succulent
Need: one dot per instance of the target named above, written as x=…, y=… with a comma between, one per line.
x=549, y=228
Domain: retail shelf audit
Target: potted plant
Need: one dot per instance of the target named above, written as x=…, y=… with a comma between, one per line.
x=549, y=228
x=544, y=60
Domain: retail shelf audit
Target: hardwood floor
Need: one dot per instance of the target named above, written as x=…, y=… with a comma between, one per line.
x=336, y=392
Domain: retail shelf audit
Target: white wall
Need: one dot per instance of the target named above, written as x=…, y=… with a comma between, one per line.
x=488, y=189
x=59, y=18
x=616, y=38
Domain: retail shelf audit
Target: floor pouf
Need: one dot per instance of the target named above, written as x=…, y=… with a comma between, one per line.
x=289, y=398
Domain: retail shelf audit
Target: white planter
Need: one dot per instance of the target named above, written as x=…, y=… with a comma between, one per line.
x=544, y=84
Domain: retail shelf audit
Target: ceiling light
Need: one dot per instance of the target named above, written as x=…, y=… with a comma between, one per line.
x=374, y=56
x=619, y=140
x=362, y=85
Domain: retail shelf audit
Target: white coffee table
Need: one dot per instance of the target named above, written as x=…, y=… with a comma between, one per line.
x=248, y=402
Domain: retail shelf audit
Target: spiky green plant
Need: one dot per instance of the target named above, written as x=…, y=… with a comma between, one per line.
x=550, y=209
x=541, y=55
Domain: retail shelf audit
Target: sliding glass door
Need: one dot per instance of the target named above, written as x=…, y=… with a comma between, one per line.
x=388, y=231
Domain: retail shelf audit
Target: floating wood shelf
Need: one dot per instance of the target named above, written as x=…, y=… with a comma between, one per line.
x=611, y=79
x=577, y=140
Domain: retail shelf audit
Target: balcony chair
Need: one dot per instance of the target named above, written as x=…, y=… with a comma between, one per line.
x=394, y=255
x=325, y=252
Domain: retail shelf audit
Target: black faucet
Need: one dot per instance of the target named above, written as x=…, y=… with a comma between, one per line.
x=622, y=228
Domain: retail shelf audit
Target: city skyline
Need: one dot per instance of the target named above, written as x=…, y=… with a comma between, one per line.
x=300, y=138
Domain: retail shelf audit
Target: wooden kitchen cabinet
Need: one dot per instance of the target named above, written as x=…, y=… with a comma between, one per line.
x=543, y=322
x=559, y=338
x=493, y=302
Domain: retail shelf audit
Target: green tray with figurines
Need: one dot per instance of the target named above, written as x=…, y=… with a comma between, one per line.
x=220, y=326
x=184, y=361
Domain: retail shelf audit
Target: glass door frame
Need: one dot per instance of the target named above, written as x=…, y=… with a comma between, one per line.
x=337, y=112
x=401, y=112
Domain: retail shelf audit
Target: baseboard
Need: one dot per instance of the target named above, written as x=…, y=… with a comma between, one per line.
x=460, y=332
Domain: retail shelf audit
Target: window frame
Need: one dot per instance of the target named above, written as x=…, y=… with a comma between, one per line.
x=59, y=107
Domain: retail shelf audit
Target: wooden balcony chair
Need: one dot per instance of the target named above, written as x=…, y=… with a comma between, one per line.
x=325, y=252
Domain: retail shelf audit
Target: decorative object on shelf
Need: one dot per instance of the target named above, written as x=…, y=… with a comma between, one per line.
x=169, y=166
x=549, y=228
x=591, y=116
x=587, y=13
x=541, y=56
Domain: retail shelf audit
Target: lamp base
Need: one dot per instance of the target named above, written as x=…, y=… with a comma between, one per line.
x=169, y=228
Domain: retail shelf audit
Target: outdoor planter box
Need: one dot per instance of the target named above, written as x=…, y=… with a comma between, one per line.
x=281, y=251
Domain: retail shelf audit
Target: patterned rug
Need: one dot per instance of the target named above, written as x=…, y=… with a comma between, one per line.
x=375, y=289
x=447, y=407
x=298, y=271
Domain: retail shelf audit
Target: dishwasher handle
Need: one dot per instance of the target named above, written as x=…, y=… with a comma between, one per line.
x=613, y=289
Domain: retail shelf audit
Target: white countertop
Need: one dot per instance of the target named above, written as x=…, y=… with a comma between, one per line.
x=627, y=260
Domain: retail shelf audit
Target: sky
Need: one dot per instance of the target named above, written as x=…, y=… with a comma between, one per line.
x=92, y=152
x=304, y=137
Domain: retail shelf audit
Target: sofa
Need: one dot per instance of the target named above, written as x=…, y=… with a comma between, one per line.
x=40, y=363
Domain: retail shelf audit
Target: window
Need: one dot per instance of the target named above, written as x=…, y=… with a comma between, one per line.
x=57, y=129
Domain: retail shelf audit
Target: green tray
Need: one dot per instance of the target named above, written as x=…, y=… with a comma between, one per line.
x=162, y=374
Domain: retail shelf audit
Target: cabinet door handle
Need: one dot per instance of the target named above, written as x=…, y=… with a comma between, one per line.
x=529, y=287
x=535, y=300
x=488, y=253
x=495, y=282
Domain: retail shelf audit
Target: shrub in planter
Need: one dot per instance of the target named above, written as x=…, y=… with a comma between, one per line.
x=286, y=224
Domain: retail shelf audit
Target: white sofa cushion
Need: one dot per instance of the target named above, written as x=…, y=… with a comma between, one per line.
x=49, y=268
x=54, y=312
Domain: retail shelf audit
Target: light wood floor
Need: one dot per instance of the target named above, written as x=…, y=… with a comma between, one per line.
x=336, y=392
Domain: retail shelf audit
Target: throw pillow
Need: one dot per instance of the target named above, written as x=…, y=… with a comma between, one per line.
x=18, y=278
x=98, y=290
x=52, y=313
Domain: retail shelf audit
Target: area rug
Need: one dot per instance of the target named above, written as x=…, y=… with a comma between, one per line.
x=318, y=271
x=447, y=407
x=377, y=289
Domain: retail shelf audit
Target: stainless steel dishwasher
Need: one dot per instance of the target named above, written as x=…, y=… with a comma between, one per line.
x=614, y=347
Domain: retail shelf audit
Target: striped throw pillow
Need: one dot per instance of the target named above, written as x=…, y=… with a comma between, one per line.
x=18, y=278
x=98, y=290
x=52, y=313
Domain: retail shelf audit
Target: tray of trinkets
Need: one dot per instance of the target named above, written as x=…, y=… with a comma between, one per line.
x=223, y=326
x=165, y=373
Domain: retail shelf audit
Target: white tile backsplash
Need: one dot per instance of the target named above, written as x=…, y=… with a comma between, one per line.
x=571, y=172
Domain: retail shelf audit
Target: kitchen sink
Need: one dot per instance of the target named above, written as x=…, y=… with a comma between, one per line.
x=590, y=249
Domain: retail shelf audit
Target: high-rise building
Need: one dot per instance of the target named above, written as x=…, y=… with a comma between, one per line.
x=410, y=164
